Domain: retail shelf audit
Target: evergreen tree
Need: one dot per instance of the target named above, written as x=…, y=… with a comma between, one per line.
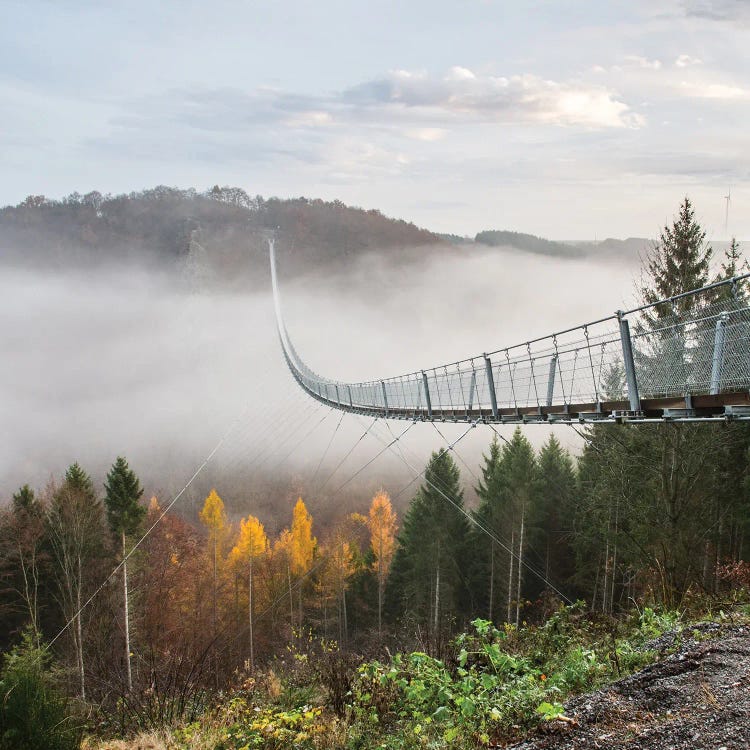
x=519, y=472
x=427, y=582
x=75, y=527
x=25, y=500
x=678, y=262
x=488, y=558
x=556, y=489
x=124, y=515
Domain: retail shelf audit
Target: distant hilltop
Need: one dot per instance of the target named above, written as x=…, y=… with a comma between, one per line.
x=219, y=233
x=626, y=250
x=222, y=228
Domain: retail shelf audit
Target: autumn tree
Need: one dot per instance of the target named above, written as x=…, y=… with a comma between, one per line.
x=251, y=544
x=124, y=514
x=214, y=518
x=382, y=526
x=301, y=545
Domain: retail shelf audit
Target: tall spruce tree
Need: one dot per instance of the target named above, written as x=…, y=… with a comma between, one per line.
x=488, y=558
x=124, y=515
x=428, y=581
x=75, y=527
x=556, y=487
x=519, y=472
x=678, y=262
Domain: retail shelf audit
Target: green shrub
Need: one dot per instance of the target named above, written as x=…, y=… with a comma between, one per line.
x=33, y=713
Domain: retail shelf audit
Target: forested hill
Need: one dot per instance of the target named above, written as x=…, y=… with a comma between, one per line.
x=628, y=250
x=222, y=228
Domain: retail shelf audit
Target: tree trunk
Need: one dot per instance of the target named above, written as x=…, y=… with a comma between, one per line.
x=250, y=613
x=380, y=587
x=346, y=622
x=127, y=615
x=520, y=565
x=291, y=598
x=79, y=630
x=510, y=576
x=492, y=579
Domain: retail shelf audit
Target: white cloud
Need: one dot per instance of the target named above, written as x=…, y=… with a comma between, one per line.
x=643, y=62
x=310, y=119
x=518, y=98
x=685, y=61
x=705, y=90
x=427, y=134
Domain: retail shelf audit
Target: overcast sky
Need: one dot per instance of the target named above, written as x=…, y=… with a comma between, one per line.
x=566, y=119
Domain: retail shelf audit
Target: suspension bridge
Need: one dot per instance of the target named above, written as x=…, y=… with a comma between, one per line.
x=682, y=359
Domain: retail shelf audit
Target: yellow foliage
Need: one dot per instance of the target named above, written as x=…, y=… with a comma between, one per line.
x=382, y=525
x=214, y=519
x=212, y=516
x=252, y=541
x=301, y=542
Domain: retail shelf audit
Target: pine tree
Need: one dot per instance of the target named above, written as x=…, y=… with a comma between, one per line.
x=679, y=262
x=75, y=526
x=428, y=581
x=519, y=472
x=491, y=515
x=124, y=514
x=556, y=487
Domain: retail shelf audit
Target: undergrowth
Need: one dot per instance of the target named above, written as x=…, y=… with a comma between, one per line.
x=492, y=685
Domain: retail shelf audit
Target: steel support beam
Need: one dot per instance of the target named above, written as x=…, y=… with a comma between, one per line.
x=629, y=362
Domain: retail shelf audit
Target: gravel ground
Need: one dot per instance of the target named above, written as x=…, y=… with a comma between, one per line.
x=697, y=697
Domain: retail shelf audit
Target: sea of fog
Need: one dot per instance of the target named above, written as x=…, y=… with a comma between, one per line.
x=138, y=363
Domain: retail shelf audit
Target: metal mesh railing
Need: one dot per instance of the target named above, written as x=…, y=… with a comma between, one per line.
x=696, y=343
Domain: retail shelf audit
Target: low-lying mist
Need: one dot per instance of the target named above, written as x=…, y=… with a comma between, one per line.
x=134, y=362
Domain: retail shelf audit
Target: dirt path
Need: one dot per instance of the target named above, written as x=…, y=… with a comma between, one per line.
x=695, y=698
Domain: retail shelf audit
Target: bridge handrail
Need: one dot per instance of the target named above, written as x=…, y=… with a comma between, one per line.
x=522, y=365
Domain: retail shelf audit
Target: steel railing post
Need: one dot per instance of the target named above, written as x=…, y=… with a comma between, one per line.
x=491, y=385
x=629, y=362
x=717, y=363
x=427, y=399
x=551, y=380
x=385, y=398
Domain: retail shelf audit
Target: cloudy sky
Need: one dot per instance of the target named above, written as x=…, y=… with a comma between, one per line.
x=569, y=119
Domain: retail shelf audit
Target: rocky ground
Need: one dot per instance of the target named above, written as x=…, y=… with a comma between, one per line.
x=697, y=696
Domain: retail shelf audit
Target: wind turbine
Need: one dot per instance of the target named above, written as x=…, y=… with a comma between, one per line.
x=728, y=199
